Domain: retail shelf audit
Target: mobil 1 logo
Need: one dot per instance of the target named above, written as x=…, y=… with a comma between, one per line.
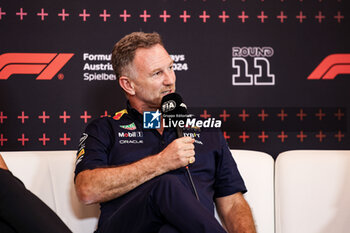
x=252, y=66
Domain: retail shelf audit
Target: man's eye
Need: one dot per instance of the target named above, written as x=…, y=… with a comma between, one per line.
x=157, y=73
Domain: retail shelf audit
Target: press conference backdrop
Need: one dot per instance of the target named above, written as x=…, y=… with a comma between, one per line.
x=276, y=72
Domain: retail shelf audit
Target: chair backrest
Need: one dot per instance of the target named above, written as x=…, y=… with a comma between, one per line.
x=312, y=191
x=257, y=170
x=49, y=175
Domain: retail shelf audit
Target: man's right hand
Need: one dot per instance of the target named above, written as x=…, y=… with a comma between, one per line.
x=178, y=153
x=107, y=183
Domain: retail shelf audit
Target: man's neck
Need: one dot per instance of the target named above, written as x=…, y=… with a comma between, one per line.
x=142, y=107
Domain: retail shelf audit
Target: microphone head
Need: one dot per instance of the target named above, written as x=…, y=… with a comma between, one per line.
x=172, y=104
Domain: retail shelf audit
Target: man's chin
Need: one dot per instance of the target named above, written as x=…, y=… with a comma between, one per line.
x=157, y=104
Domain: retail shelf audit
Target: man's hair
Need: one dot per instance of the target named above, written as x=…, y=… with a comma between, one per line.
x=124, y=50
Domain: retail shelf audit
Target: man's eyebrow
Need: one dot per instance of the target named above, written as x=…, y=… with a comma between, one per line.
x=158, y=69
x=155, y=70
x=171, y=62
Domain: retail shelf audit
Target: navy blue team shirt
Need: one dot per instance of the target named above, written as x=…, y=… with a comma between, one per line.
x=121, y=140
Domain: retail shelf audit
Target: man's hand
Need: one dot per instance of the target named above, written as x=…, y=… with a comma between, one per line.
x=178, y=154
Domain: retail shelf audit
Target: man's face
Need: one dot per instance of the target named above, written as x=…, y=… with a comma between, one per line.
x=155, y=76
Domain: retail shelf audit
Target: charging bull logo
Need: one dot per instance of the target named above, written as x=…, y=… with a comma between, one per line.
x=46, y=65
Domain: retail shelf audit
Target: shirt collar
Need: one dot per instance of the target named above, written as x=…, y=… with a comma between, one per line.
x=133, y=112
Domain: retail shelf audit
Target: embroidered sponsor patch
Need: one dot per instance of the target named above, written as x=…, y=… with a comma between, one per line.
x=136, y=134
x=119, y=114
x=131, y=126
x=134, y=137
x=130, y=141
x=195, y=136
x=192, y=135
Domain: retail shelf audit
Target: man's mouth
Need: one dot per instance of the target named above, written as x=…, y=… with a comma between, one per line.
x=166, y=92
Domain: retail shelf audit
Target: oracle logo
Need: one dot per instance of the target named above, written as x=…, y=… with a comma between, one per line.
x=46, y=65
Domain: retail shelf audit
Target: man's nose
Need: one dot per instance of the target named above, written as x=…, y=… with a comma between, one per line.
x=169, y=78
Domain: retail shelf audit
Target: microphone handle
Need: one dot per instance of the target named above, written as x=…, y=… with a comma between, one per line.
x=180, y=134
x=194, y=187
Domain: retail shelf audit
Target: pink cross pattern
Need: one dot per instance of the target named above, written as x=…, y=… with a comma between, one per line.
x=2, y=13
x=185, y=16
x=339, y=17
x=223, y=16
x=84, y=15
x=42, y=14
x=63, y=14
x=204, y=16
x=21, y=13
x=145, y=16
x=320, y=17
x=125, y=16
x=243, y=16
x=282, y=17
x=262, y=17
x=165, y=16
x=301, y=17
x=105, y=15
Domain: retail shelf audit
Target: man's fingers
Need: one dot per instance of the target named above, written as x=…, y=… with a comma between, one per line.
x=187, y=140
x=185, y=143
x=192, y=159
x=188, y=147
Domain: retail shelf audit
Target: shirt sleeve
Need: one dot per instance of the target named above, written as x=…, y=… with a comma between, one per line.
x=228, y=179
x=94, y=145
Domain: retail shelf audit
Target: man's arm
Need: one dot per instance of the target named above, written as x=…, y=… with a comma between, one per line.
x=104, y=184
x=235, y=214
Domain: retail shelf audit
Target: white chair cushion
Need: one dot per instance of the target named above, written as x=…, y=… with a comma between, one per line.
x=257, y=170
x=313, y=192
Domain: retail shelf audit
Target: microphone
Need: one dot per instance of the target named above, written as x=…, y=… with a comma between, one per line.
x=172, y=106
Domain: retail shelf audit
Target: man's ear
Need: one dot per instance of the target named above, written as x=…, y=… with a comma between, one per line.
x=127, y=84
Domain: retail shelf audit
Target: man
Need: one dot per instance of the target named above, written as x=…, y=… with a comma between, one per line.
x=138, y=174
x=23, y=212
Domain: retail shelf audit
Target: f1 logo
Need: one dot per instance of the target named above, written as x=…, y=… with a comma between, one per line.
x=46, y=65
x=331, y=66
x=151, y=120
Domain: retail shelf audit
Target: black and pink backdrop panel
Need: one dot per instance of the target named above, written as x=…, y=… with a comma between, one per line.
x=277, y=72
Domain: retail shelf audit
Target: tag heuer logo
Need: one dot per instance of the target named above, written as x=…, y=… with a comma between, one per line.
x=132, y=126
